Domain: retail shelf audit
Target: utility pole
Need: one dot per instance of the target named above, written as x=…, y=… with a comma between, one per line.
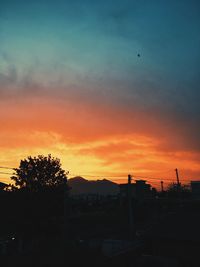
x=162, y=187
x=177, y=178
x=178, y=183
x=130, y=207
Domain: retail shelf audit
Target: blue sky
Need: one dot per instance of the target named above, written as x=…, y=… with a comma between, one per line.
x=100, y=40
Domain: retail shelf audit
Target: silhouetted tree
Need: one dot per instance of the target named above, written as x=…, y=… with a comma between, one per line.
x=175, y=190
x=38, y=173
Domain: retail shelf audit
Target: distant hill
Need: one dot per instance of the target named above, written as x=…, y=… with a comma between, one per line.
x=79, y=185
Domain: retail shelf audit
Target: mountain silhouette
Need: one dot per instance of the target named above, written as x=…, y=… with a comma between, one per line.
x=79, y=185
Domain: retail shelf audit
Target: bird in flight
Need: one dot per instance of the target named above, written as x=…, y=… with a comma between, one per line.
x=138, y=55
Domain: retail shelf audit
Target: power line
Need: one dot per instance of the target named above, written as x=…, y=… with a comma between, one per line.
x=6, y=173
x=121, y=174
x=3, y=167
x=114, y=177
x=4, y=181
x=85, y=174
x=124, y=177
x=108, y=175
x=118, y=177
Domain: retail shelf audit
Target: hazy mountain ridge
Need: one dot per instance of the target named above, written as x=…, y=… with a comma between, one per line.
x=80, y=185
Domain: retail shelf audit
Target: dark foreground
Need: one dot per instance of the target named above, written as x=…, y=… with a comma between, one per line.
x=167, y=233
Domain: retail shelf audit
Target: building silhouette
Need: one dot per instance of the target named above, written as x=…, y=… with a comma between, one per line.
x=195, y=187
x=140, y=190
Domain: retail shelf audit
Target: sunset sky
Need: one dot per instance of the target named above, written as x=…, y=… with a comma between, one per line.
x=109, y=87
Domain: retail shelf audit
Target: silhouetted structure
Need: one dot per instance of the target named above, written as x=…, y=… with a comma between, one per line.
x=139, y=190
x=195, y=186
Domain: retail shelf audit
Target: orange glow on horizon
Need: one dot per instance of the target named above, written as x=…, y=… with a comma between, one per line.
x=94, y=141
x=112, y=159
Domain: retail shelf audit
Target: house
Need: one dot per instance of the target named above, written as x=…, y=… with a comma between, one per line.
x=139, y=190
x=195, y=186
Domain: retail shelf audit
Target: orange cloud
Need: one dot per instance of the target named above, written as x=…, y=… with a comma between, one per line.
x=95, y=139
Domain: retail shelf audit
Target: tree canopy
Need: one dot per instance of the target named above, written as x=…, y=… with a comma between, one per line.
x=36, y=173
x=175, y=190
